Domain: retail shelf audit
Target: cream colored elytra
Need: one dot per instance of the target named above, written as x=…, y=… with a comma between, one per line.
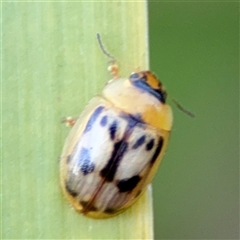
x=115, y=147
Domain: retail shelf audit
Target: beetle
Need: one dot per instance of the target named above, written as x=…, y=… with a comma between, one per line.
x=115, y=147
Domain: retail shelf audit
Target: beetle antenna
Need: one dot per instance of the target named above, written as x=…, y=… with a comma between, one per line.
x=103, y=48
x=113, y=67
x=179, y=106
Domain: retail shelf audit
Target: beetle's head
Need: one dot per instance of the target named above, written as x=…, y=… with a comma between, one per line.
x=148, y=82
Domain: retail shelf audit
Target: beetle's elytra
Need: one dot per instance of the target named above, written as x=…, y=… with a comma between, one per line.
x=114, y=149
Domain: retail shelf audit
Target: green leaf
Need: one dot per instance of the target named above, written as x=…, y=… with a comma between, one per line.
x=52, y=66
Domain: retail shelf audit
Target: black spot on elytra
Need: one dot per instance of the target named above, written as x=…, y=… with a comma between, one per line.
x=132, y=120
x=139, y=142
x=138, y=117
x=113, y=130
x=93, y=118
x=93, y=209
x=128, y=184
x=86, y=166
x=85, y=204
x=150, y=144
x=118, y=152
x=110, y=210
x=72, y=192
x=103, y=121
x=157, y=151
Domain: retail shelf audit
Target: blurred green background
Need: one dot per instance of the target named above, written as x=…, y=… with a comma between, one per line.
x=194, y=49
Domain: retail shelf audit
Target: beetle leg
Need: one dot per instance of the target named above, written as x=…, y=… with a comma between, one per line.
x=69, y=121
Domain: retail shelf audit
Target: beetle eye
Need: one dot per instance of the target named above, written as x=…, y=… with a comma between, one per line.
x=134, y=76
